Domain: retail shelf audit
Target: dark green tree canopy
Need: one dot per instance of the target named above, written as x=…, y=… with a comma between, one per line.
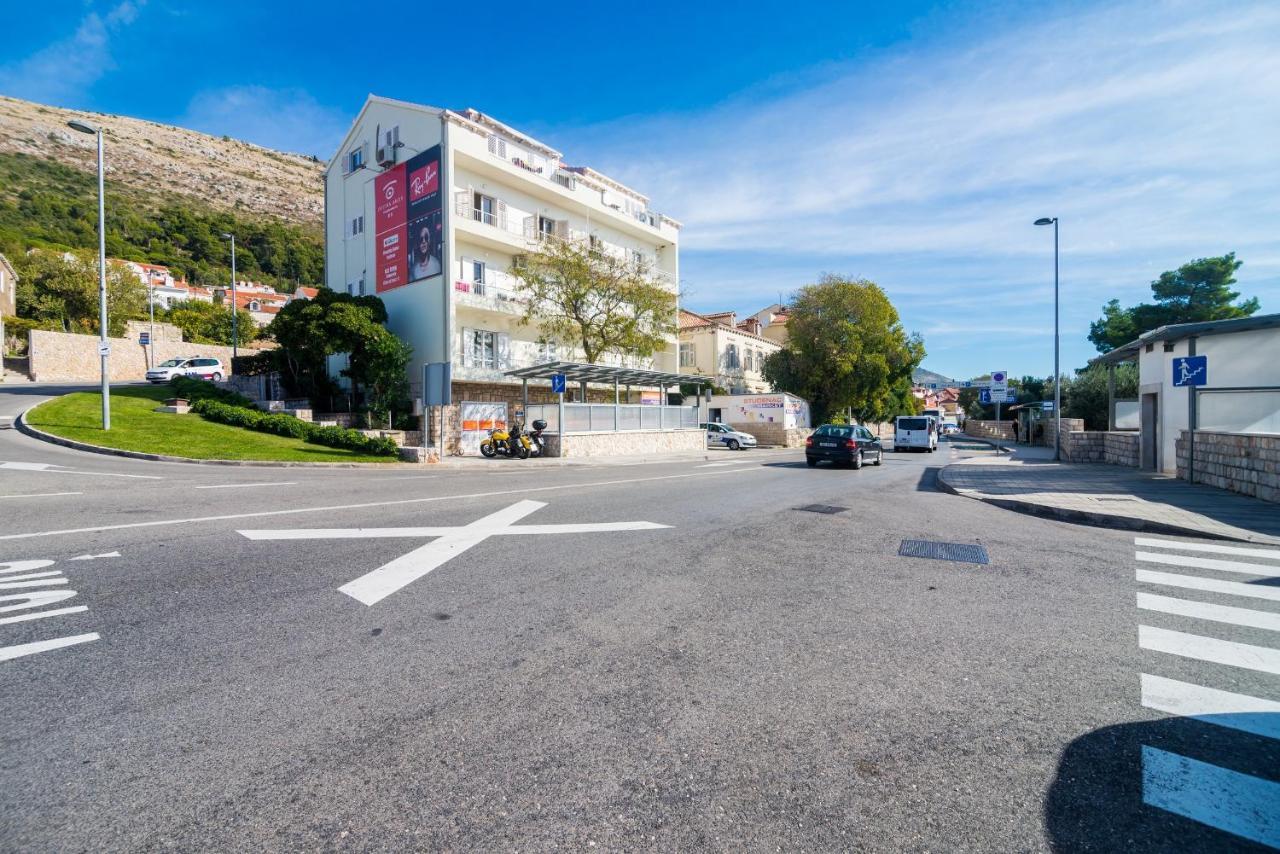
x=1197, y=291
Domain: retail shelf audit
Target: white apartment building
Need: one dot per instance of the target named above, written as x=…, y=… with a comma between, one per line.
x=731, y=353
x=430, y=209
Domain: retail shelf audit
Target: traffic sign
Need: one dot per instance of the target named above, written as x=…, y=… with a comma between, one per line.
x=144, y=338
x=104, y=349
x=988, y=395
x=1191, y=370
x=557, y=383
x=999, y=383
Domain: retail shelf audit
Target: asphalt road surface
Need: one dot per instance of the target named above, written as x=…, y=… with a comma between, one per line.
x=644, y=657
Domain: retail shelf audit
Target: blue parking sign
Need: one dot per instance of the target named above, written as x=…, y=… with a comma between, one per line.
x=984, y=396
x=557, y=383
x=1191, y=370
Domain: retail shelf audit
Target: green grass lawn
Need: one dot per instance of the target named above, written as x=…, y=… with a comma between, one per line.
x=135, y=426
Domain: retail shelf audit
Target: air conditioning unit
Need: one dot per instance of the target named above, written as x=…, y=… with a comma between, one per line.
x=386, y=155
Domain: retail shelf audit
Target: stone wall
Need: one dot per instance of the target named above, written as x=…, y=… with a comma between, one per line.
x=1069, y=426
x=1121, y=449
x=1098, y=446
x=989, y=429
x=637, y=443
x=65, y=357
x=775, y=434
x=1248, y=463
x=133, y=330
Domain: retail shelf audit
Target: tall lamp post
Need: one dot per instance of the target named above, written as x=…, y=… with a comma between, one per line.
x=103, y=347
x=235, y=332
x=1057, y=376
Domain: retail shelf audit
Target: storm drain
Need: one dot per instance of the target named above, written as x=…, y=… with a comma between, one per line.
x=963, y=552
x=829, y=509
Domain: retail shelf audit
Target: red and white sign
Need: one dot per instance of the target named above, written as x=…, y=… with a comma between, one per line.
x=393, y=260
x=424, y=181
x=389, y=200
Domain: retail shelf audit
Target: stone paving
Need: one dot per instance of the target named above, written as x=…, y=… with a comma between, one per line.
x=1026, y=479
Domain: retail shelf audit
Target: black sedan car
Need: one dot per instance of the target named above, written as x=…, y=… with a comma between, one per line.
x=843, y=444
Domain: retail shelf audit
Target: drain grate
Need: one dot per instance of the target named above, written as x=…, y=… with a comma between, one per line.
x=963, y=552
x=829, y=509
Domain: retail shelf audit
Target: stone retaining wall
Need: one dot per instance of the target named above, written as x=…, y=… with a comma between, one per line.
x=775, y=434
x=989, y=429
x=66, y=357
x=1248, y=463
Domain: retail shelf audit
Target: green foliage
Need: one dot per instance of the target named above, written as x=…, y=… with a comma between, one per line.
x=194, y=389
x=587, y=298
x=46, y=204
x=1085, y=395
x=846, y=349
x=286, y=425
x=16, y=329
x=208, y=323
x=62, y=293
x=1197, y=291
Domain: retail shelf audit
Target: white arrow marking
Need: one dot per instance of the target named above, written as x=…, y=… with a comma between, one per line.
x=48, y=468
x=95, y=557
x=452, y=541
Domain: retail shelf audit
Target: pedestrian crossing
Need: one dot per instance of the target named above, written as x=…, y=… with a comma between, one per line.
x=1199, y=614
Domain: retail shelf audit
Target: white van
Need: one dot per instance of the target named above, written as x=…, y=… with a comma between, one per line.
x=915, y=431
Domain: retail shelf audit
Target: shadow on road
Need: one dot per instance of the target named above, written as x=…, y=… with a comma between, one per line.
x=1098, y=800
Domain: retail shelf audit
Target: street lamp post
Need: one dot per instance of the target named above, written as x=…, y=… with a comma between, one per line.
x=235, y=331
x=103, y=346
x=1057, y=376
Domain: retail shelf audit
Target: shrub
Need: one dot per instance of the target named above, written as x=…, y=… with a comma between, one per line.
x=286, y=425
x=195, y=389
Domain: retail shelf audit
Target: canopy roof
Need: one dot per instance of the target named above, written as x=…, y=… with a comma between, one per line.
x=576, y=372
x=1177, y=331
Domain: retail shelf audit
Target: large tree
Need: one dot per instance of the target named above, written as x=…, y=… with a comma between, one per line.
x=846, y=349
x=206, y=323
x=591, y=299
x=61, y=290
x=1197, y=291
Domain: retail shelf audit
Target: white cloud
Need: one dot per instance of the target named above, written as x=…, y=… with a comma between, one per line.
x=1149, y=129
x=63, y=72
x=284, y=119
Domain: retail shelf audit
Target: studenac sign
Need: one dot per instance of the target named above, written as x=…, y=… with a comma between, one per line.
x=408, y=221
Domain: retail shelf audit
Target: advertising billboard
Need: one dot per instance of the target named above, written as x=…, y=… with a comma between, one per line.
x=408, y=221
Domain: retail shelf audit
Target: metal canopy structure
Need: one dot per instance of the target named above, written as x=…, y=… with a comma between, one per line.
x=576, y=372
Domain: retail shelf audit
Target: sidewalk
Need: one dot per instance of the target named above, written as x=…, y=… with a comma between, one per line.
x=1027, y=480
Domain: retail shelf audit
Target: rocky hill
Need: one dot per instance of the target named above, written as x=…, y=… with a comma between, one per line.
x=165, y=161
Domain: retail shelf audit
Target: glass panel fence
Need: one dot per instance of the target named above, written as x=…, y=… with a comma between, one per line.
x=1239, y=411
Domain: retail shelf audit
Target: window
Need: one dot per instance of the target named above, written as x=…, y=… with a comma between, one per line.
x=637, y=258
x=484, y=349
x=688, y=355
x=484, y=209
x=254, y=305
x=351, y=288
x=731, y=357
x=355, y=159
x=357, y=225
x=548, y=351
x=748, y=359
x=497, y=146
x=839, y=431
x=477, y=272
x=546, y=227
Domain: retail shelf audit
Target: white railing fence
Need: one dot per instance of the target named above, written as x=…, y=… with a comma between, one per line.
x=607, y=418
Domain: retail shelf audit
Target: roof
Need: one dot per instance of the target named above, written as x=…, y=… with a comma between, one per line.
x=577, y=372
x=1179, y=331
x=690, y=321
x=355, y=123
x=9, y=267
x=304, y=292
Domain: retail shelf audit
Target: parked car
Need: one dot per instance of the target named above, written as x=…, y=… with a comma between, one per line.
x=843, y=444
x=915, y=431
x=719, y=435
x=187, y=366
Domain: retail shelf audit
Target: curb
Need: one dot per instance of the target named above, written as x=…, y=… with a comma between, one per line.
x=1096, y=520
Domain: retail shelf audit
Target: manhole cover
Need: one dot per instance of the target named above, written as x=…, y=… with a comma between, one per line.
x=822, y=508
x=963, y=552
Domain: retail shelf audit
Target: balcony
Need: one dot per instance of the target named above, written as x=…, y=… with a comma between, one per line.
x=498, y=293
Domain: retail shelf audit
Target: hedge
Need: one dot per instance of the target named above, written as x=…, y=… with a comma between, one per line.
x=194, y=390
x=286, y=425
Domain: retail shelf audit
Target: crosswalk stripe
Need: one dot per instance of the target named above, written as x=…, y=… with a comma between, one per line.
x=1202, y=648
x=1210, y=563
x=1238, y=803
x=1223, y=708
x=1206, y=611
x=1262, y=554
x=1212, y=585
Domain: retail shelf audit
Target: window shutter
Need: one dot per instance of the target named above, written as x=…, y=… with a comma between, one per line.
x=467, y=340
x=503, y=353
x=530, y=227
x=462, y=203
x=500, y=210
x=562, y=229
x=465, y=267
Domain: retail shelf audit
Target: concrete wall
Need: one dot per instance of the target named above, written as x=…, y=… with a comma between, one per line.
x=989, y=429
x=64, y=357
x=640, y=443
x=1248, y=463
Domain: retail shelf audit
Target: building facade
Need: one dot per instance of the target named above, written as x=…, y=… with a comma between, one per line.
x=431, y=209
x=728, y=352
x=8, y=290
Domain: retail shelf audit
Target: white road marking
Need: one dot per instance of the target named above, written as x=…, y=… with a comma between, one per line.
x=10, y=567
x=1211, y=585
x=375, y=586
x=49, y=468
x=18, y=651
x=248, y=485
x=33, y=599
x=1205, y=611
x=1237, y=803
x=42, y=495
x=1223, y=708
x=38, y=615
x=525, y=490
x=1210, y=563
x=95, y=557
x=1264, y=554
x=44, y=582
x=1260, y=658
x=30, y=575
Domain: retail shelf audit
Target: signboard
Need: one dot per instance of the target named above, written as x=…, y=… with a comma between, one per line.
x=144, y=338
x=999, y=384
x=987, y=395
x=436, y=387
x=557, y=383
x=408, y=222
x=1190, y=371
x=104, y=349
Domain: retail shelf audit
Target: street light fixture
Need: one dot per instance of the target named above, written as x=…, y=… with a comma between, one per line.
x=104, y=348
x=235, y=331
x=1057, y=376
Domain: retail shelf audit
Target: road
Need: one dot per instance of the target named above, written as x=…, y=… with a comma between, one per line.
x=668, y=656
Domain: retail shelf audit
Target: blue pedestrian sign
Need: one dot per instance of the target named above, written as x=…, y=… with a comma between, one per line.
x=144, y=338
x=557, y=383
x=1191, y=370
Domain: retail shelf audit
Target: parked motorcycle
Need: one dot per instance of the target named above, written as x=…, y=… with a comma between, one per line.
x=511, y=443
x=536, y=445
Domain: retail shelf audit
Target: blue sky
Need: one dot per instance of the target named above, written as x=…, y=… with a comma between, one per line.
x=910, y=143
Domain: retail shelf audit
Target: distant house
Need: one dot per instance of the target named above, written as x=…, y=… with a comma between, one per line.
x=771, y=323
x=303, y=292
x=732, y=353
x=163, y=289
